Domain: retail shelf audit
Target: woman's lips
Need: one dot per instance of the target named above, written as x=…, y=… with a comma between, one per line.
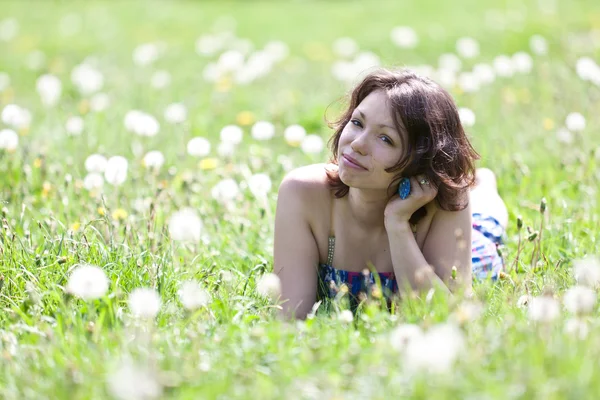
x=351, y=162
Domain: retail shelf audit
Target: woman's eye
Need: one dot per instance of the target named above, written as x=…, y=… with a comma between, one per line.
x=356, y=122
x=387, y=139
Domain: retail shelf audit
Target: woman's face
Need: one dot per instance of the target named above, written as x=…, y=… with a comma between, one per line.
x=369, y=144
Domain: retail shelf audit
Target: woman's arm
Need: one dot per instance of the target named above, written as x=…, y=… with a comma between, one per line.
x=295, y=252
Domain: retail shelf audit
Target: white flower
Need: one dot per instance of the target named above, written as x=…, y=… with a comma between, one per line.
x=345, y=47
x=145, y=54
x=185, y=225
x=16, y=116
x=538, y=45
x=9, y=140
x=115, y=172
x=575, y=122
x=95, y=163
x=144, y=303
x=175, y=113
x=133, y=382
x=87, y=79
x=564, y=136
x=468, y=82
x=346, y=317
x=587, y=271
x=4, y=81
x=160, y=79
x=87, y=282
x=231, y=134
x=446, y=77
x=259, y=184
x=577, y=327
x=524, y=301
x=449, y=62
x=580, y=300
x=503, y=66
x=193, y=296
x=277, y=50
x=225, y=149
x=586, y=68
x=49, y=88
x=404, y=37
x=226, y=190
x=294, y=134
x=230, y=60
x=263, y=130
x=269, y=285
x=467, y=47
x=141, y=123
x=99, y=102
x=198, y=147
x=543, y=309
x=436, y=350
x=522, y=62
x=403, y=334
x=9, y=28
x=74, y=126
x=93, y=181
x=154, y=159
x=467, y=116
x=484, y=73
x=312, y=144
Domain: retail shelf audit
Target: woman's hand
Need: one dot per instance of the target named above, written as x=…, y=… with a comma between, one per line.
x=400, y=210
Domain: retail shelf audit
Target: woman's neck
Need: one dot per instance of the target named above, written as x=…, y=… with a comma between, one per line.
x=367, y=207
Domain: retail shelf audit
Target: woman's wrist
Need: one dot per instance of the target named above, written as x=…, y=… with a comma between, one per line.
x=397, y=225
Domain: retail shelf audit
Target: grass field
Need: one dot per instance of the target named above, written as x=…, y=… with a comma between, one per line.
x=532, y=334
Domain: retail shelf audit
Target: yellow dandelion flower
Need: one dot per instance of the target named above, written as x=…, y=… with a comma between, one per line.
x=224, y=84
x=548, y=124
x=119, y=214
x=37, y=163
x=101, y=211
x=75, y=226
x=208, y=163
x=245, y=118
x=8, y=95
x=46, y=188
x=83, y=106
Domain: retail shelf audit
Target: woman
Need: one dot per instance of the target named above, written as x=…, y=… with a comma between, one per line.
x=335, y=220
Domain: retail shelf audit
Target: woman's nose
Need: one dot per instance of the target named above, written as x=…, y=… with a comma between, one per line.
x=359, y=144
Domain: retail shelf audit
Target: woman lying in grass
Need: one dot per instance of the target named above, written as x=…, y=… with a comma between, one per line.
x=400, y=202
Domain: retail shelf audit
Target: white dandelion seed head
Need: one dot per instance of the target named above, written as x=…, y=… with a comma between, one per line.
x=587, y=271
x=115, y=172
x=343, y=71
x=403, y=334
x=231, y=134
x=74, y=126
x=154, y=159
x=211, y=72
x=193, y=296
x=577, y=328
x=436, y=350
x=95, y=163
x=522, y=62
x=99, y=102
x=580, y=300
x=538, y=45
x=269, y=285
x=93, y=181
x=575, y=122
x=160, y=79
x=225, y=191
x=449, y=62
x=294, y=134
x=185, y=225
x=230, y=60
x=133, y=382
x=524, y=301
x=468, y=82
x=49, y=88
x=404, y=37
x=141, y=123
x=586, y=69
x=345, y=47
x=543, y=309
x=467, y=47
x=209, y=45
x=364, y=61
x=312, y=144
x=9, y=28
x=277, y=50
x=225, y=149
x=446, y=77
x=484, y=72
x=198, y=147
x=176, y=113
x=263, y=130
x=15, y=116
x=9, y=140
x=35, y=60
x=563, y=135
x=144, y=303
x=87, y=282
x=87, y=79
x=145, y=54
x=346, y=317
x=259, y=184
x=503, y=66
x=4, y=81
x=467, y=116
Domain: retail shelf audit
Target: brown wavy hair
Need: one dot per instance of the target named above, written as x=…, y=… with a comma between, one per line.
x=435, y=143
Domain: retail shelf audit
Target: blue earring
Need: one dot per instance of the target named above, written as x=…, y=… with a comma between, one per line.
x=404, y=188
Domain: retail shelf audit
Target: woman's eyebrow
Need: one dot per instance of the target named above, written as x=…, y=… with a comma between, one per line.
x=380, y=125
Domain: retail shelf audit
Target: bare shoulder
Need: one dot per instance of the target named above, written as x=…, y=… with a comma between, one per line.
x=306, y=181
